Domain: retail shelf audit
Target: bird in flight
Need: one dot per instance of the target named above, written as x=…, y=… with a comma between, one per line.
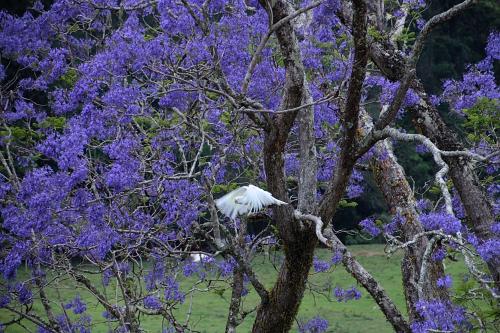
x=244, y=200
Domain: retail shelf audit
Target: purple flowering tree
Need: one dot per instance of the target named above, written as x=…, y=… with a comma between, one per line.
x=123, y=121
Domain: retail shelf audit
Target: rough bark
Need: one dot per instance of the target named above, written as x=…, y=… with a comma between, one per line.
x=237, y=286
x=234, y=305
x=350, y=117
x=308, y=182
x=277, y=313
x=428, y=121
x=390, y=178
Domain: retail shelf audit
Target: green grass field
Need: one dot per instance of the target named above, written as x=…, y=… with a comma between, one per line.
x=209, y=309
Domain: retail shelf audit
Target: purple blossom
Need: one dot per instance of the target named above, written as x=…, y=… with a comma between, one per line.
x=478, y=82
x=398, y=13
x=445, y=282
x=2, y=72
x=389, y=90
x=423, y=205
x=172, y=291
x=226, y=267
x=415, y=4
x=493, y=46
x=4, y=300
x=439, y=254
x=370, y=227
x=190, y=268
x=391, y=227
x=437, y=315
x=435, y=100
x=320, y=265
x=24, y=295
x=337, y=258
x=444, y=221
x=490, y=250
x=472, y=239
x=314, y=325
x=421, y=149
x=344, y=295
x=152, y=302
x=458, y=207
x=77, y=305
x=420, y=23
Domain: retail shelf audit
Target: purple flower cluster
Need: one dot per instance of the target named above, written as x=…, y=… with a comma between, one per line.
x=344, y=295
x=77, y=305
x=226, y=267
x=489, y=250
x=445, y=282
x=320, y=265
x=439, y=254
x=396, y=221
x=172, y=290
x=415, y=4
x=152, y=302
x=478, y=82
x=370, y=227
x=314, y=325
x=388, y=91
x=337, y=258
x=440, y=316
x=423, y=205
x=438, y=220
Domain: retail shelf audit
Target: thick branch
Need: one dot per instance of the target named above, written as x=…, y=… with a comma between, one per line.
x=347, y=159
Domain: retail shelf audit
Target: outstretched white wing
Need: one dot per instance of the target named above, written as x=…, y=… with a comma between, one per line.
x=244, y=200
x=228, y=206
x=256, y=198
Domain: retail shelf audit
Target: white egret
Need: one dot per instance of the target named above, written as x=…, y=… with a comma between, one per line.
x=244, y=200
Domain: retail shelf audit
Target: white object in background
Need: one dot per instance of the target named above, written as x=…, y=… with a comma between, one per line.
x=244, y=200
x=197, y=257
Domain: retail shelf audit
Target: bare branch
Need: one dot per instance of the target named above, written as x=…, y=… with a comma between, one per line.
x=263, y=42
x=411, y=64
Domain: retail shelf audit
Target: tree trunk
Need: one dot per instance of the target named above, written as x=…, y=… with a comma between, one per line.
x=390, y=178
x=278, y=312
x=238, y=283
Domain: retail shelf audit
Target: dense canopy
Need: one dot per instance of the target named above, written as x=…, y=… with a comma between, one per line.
x=123, y=121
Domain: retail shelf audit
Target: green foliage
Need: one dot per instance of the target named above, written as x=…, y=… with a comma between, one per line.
x=374, y=33
x=69, y=78
x=483, y=119
x=468, y=291
x=56, y=123
x=224, y=188
x=347, y=204
x=18, y=134
x=407, y=36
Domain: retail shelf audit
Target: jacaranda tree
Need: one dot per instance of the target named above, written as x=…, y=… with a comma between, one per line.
x=123, y=121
